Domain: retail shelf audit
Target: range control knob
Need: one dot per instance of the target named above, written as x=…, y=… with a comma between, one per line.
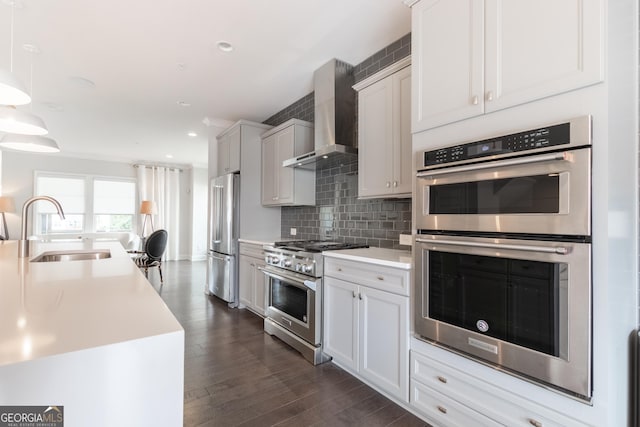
x=287, y=263
x=308, y=268
x=275, y=260
x=298, y=267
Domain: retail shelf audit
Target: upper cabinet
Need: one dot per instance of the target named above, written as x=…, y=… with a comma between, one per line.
x=384, y=133
x=229, y=150
x=284, y=186
x=473, y=57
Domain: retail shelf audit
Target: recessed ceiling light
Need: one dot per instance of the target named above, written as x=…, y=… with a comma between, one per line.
x=192, y=134
x=183, y=104
x=224, y=46
x=52, y=106
x=169, y=156
x=31, y=48
x=82, y=82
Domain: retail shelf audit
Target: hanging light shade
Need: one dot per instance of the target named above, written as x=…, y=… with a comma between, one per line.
x=34, y=143
x=14, y=121
x=12, y=92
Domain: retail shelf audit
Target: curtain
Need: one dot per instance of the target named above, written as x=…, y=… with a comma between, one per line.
x=162, y=185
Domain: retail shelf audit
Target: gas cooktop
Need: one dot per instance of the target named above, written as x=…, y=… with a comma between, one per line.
x=316, y=245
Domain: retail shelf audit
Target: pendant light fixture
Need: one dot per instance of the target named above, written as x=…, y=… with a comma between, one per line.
x=34, y=143
x=12, y=92
x=11, y=119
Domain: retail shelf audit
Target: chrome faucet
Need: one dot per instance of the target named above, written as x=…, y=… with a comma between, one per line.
x=23, y=243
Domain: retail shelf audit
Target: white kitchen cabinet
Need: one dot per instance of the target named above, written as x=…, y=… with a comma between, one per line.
x=366, y=329
x=252, y=282
x=229, y=150
x=448, y=396
x=472, y=57
x=384, y=133
x=285, y=186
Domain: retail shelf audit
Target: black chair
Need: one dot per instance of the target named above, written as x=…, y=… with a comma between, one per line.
x=154, y=248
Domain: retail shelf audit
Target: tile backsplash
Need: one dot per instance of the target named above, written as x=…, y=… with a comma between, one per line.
x=338, y=214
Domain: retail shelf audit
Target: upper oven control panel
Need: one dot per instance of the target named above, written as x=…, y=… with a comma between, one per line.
x=576, y=132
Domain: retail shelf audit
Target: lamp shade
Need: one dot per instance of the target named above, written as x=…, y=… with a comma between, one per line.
x=15, y=121
x=35, y=143
x=7, y=204
x=148, y=207
x=12, y=92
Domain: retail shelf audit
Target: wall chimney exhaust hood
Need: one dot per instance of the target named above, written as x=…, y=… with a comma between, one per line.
x=335, y=115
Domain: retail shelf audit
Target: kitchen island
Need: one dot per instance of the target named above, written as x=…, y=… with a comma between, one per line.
x=90, y=335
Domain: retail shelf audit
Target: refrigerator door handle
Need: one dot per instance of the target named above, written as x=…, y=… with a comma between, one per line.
x=218, y=197
x=221, y=258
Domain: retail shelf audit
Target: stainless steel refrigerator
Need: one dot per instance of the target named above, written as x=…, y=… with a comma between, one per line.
x=224, y=218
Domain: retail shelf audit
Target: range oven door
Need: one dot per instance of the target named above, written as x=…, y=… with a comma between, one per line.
x=523, y=305
x=294, y=303
x=540, y=194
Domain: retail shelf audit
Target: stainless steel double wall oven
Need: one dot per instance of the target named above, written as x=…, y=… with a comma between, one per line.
x=503, y=252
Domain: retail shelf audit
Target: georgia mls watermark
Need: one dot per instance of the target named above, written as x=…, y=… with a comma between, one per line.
x=31, y=416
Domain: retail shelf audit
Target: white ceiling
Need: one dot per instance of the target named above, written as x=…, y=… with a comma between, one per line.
x=131, y=50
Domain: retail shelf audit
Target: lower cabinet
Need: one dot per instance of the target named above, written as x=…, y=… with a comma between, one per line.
x=252, y=281
x=366, y=330
x=450, y=397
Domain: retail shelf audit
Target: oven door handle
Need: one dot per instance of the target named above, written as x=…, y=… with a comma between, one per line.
x=491, y=165
x=301, y=283
x=544, y=249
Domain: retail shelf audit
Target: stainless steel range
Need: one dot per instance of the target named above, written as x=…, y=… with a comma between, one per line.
x=294, y=313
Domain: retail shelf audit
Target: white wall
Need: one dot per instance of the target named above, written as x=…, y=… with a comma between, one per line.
x=17, y=174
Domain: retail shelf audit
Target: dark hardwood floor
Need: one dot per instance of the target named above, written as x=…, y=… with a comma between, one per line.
x=236, y=375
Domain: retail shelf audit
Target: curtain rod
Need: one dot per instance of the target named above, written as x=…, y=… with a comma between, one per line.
x=173, y=168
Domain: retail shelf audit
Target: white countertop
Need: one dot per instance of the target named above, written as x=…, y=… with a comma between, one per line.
x=390, y=257
x=263, y=240
x=50, y=308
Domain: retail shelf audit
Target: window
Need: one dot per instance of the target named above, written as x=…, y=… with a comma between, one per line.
x=90, y=204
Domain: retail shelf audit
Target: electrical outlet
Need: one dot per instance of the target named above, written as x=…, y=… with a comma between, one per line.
x=293, y=231
x=406, y=239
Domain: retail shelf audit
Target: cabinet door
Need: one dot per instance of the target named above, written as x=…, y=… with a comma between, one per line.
x=540, y=48
x=402, y=147
x=246, y=273
x=384, y=340
x=260, y=289
x=447, y=57
x=223, y=156
x=269, y=173
x=286, y=147
x=375, y=137
x=341, y=322
x=233, y=139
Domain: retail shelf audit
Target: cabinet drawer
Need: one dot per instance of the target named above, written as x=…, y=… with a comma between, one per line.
x=445, y=411
x=369, y=274
x=493, y=402
x=255, y=251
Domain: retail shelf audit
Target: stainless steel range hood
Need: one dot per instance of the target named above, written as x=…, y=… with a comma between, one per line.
x=334, y=133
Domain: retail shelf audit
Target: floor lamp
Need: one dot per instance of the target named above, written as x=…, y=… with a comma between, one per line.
x=6, y=205
x=148, y=208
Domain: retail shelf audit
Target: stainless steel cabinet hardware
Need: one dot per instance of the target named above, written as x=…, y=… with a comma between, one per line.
x=474, y=100
x=543, y=249
x=442, y=379
x=535, y=423
x=442, y=409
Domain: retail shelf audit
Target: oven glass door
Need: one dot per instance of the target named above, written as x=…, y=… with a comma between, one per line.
x=289, y=299
x=512, y=300
x=521, y=304
x=292, y=303
x=542, y=194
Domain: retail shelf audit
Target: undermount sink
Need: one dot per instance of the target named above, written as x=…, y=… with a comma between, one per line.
x=76, y=255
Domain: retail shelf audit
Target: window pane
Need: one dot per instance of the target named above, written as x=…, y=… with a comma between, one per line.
x=51, y=223
x=68, y=191
x=113, y=223
x=114, y=197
